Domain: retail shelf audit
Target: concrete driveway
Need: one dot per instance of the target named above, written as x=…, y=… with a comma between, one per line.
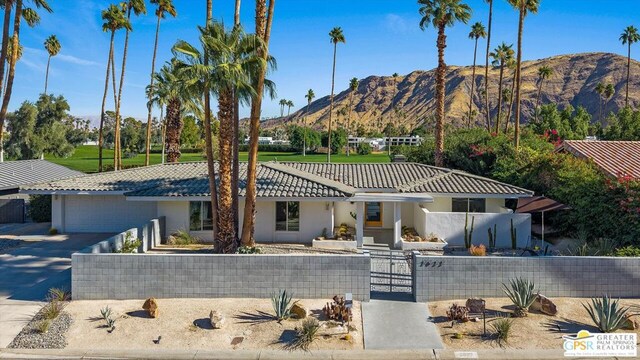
x=29, y=271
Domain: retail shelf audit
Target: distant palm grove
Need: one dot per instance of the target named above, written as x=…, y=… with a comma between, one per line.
x=199, y=93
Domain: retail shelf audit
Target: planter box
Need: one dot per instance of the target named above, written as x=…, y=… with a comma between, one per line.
x=423, y=245
x=334, y=244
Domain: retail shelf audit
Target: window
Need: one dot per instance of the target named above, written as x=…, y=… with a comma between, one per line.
x=468, y=205
x=200, y=216
x=287, y=216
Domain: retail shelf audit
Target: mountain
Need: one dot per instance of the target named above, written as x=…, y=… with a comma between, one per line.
x=573, y=82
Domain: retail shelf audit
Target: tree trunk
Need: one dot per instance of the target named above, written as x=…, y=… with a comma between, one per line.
x=486, y=68
x=513, y=85
x=499, y=96
x=226, y=240
x=174, y=129
x=5, y=41
x=538, y=100
x=263, y=31
x=208, y=138
x=236, y=17
x=440, y=95
x=626, y=98
x=104, y=103
x=12, y=73
x=163, y=132
x=46, y=76
x=124, y=66
x=116, y=133
x=333, y=83
x=473, y=82
x=304, y=137
x=235, y=173
x=518, y=76
x=349, y=120
x=153, y=70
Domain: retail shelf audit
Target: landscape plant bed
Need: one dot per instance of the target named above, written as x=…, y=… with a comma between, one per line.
x=334, y=244
x=264, y=249
x=184, y=324
x=504, y=252
x=536, y=331
x=423, y=245
x=30, y=337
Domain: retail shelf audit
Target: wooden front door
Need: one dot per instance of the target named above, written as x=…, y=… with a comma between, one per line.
x=373, y=214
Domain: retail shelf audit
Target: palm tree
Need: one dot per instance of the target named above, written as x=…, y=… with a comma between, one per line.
x=164, y=7
x=114, y=20
x=169, y=84
x=477, y=31
x=486, y=68
x=264, y=21
x=336, y=36
x=310, y=96
x=289, y=106
x=208, y=132
x=158, y=96
x=524, y=7
x=283, y=103
x=9, y=57
x=52, y=45
x=394, y=110
x=609, y=91
x=544, y=72
x=600, y=87
x=138, y=7
x=628, y=37
x=501, y=57
x=442, y=13
x=353, y=86
x=511, y=65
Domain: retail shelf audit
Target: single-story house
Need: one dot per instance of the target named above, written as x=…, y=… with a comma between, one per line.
x=296, y=201
x=614, y=158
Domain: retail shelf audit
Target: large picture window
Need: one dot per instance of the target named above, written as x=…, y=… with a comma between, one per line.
x=200, y=216
x=468, y=205
x=287, y=216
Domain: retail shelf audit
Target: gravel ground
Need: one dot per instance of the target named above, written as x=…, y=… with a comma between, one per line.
x=54, y=338
x=264, y=249
x=6, y=245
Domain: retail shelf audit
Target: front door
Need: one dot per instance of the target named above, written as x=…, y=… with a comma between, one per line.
x=373, y=214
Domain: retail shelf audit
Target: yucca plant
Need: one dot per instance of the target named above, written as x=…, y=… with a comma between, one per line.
x=607, y=314
x=502, y=329
x=306, y=334
x=521, y=293
x=281, y=302
x=58, y=294
x=106, y=313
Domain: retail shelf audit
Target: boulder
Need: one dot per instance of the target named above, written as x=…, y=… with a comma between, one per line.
x=151, y=306
x=475, y=305
x=299, y=310
x=544, y=305
x=216, y=319
x=629, y=324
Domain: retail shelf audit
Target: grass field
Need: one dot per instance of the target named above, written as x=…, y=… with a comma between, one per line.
x=85, y=158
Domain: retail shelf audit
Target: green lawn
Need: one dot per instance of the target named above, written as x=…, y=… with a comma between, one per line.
x=85, y=158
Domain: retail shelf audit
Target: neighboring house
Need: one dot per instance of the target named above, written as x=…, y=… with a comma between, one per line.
x=614, y=158
x=381, y=143
x=268, y=140
x=14, y=174
x=296, y=201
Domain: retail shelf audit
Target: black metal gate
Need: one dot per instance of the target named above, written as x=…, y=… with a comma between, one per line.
x=11, y=211
x=391, y=272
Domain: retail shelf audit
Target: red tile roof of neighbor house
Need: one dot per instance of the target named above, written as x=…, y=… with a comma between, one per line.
x=615, y=158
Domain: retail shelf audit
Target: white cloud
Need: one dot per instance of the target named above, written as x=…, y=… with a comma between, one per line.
x=63, y=57
x=396, y=23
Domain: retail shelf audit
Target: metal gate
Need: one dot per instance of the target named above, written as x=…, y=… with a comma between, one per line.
x=11, y=211
x=391, y=272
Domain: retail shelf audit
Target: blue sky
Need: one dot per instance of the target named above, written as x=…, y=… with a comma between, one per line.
x=383, y=37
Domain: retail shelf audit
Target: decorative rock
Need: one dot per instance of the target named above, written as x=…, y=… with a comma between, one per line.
x=475, y=305
x=629, y=324
x=217, y=319
x=299, y=310
x=151, y=305
x=544, y=305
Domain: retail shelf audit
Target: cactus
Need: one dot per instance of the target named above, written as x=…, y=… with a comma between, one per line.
x=493, y=235
x=459, y=313
x=338, y=310
x=468, y=233
x=514, y=236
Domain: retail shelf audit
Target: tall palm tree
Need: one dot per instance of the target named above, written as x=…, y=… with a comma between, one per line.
x=264, y=21
x=114, y=20
x=544, y=72
x=629, y=37
x=477, y=31
x=394, y=110
x=9, y=57
x=235, y=175
x=31, y=17
x=310, y=96
x=512, y=66
x=138, y=7
x=169, y=83
x=52, y=45
x=442, y=14
x=600, y=87
x=336, y=36
x=164, y=7
x=501, y=57
x=524, y=7
x=353, y=86
x=158, y=96
x=283, y=104
x=486, y=68
x=289, y=106
x=609, y=91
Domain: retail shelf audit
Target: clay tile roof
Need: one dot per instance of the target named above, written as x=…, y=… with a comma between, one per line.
x=615, y=158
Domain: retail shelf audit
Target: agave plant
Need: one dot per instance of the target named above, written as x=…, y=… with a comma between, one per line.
x=281, y=302
x=607, y=314
x=522, y=294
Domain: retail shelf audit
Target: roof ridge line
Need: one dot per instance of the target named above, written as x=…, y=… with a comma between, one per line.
x=311, y=177
x=464, y=173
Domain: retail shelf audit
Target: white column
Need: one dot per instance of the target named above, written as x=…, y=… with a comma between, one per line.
x=332, y=225
x=397, y=224
x=360, y=223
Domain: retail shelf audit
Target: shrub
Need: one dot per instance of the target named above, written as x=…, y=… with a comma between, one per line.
x=130, y=244
x=502, y=329
x=607, y=314
x=479, y=250
x=364, y=148
x=306, y=334
x=248, y=250
x=281, y=302
x=183, y=238
x=43, y=326
x=627, y=251
x=58, y=294
x=521, y=292
x=51, y=310
x=40, y=208
x=53, y=231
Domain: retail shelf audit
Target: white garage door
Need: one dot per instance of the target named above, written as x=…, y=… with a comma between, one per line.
x=105, y=213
